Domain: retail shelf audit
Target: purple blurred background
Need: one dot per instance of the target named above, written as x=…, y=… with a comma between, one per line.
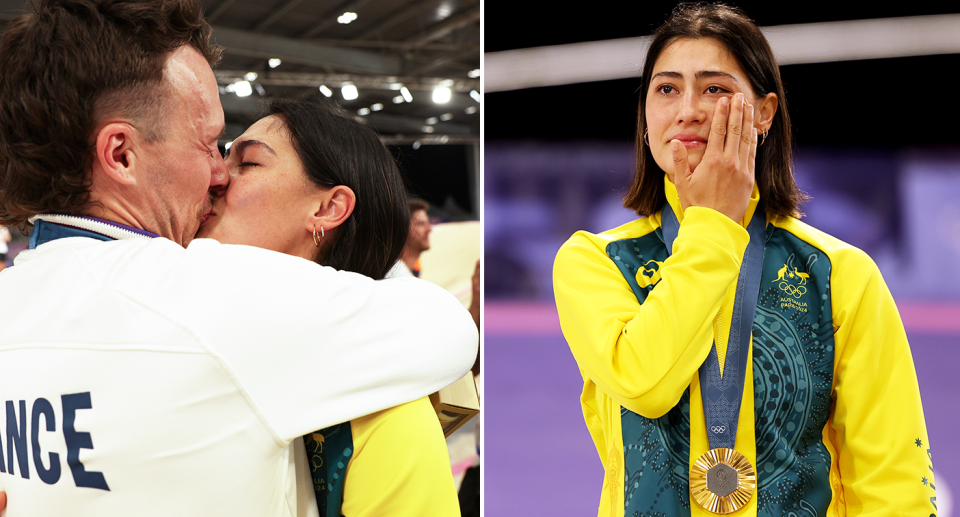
x=900, y=206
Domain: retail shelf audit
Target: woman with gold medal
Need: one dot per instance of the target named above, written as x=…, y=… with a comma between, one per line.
x=735, y=360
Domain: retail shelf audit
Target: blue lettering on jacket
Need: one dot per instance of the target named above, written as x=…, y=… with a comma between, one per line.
x=17, y=440
x=51, y=475
x=77, y=440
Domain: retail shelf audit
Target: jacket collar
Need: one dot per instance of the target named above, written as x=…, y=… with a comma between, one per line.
x=49, y=227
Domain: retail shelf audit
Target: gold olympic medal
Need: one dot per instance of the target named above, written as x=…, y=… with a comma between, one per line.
x=722, y=481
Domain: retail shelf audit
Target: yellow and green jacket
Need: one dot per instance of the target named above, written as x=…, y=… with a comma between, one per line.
x=389, y=463
x=830, y=417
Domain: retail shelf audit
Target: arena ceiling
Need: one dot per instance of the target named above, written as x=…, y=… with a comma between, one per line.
x=417, y=45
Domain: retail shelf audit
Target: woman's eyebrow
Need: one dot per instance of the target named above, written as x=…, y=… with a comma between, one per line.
x=240, y=146
x=715, y=73
x=671, y=75
x=699, y=75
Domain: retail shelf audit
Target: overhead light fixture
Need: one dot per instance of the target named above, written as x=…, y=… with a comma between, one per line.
x=473, y=74
x=349, y=91
x=327, y=92
x=398, y=99
x=427, y=129
x=432, y=120
x=346, y=18
x=416, y=145
x=441, y=95
x=475, y=95
x=376, y=107
x=250, y=76
x=241, y=88
x=444, y=139
x=406, y=94
x=395, y=86
x=470, y=110
x=363, y=112
x=274, y=62
x=447, y=82
x=446, y=116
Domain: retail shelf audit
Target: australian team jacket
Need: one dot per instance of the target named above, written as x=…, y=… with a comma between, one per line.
x=830, y=416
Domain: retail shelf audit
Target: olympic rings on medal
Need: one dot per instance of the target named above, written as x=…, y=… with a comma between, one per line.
x=795, y=291
x=718, y=429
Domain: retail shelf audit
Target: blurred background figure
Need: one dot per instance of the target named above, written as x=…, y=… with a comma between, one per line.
x=418, y=240
x=559, y=155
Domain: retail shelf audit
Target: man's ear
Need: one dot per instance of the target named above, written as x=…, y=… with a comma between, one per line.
x=336, y=205
x=116, y=151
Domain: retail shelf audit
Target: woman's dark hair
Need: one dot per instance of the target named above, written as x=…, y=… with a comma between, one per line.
x=743, y=39
x=66, y=66
x=336, y=150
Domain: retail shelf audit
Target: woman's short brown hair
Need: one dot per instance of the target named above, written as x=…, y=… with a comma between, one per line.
x=67, y=66
x=335, y=149
x=743, y=39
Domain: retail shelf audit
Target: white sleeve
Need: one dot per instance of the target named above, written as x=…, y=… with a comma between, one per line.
x=313, y=346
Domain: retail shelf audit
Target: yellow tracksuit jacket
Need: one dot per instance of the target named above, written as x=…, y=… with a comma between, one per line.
x=831, y=416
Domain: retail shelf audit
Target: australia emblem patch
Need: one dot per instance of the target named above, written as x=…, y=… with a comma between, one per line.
x=793, y=284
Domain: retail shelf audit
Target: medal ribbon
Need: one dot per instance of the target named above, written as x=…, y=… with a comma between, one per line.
x=722, y=393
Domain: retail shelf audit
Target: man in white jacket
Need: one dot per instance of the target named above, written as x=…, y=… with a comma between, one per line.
x=145, y=374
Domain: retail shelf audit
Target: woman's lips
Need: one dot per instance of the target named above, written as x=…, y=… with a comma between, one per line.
x=690, y=140
x=207, y=216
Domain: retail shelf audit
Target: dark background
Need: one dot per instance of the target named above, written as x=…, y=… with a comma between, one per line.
x=880, y=102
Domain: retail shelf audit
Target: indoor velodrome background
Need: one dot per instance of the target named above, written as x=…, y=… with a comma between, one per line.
x=877, y=148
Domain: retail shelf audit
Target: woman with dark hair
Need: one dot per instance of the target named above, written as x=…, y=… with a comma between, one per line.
x=309, y=181
x=734, y=358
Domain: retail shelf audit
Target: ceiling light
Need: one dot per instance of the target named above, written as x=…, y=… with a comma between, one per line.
x=446, y=82
x=473, y=74
x=416, y=145
x=470, y=110
x=327, y=92
x=274, y=62
x=250, y=76
x=444, y=139
x=475, y=95
x=376, y=107
x=441, y=95
x=395, y=86
x=347, y=17
x=242, y=88
x=427, y=129
x=398, y=99
x=406, y=94
x=363, y=112
x=432, y=120
x=349, y=91
x=446, y=116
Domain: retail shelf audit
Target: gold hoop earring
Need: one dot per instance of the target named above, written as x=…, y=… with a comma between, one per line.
x=764, y=139
x=646, y=139
x=316, y=240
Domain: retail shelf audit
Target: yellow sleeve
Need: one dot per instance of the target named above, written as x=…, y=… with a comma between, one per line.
x=400, y=465
x=644, y=356
x=884, y=460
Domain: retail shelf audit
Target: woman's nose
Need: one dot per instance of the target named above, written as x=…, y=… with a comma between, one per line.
x=691, y=109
